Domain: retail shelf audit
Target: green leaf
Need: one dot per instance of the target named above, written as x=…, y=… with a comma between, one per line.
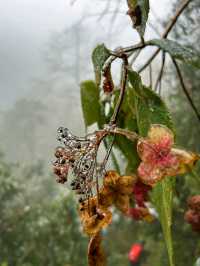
x=162, y=197
x=99, y=56
x=150, y=109
x=138, y=12
x=177, y=51
x=127, y=120
x=90, y=102
x=129, y=151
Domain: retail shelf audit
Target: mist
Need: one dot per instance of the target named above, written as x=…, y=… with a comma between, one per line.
x=45, y=53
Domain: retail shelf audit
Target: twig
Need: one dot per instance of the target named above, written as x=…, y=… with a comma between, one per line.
x=114, y=159
x=185, y=89
x=135, y=57
x=149, y=61
x=127, y=50
x=161, y=71
x=175, y=17
x=167, y=30
x=108, y=152
x=131, y=135
x=122, y=90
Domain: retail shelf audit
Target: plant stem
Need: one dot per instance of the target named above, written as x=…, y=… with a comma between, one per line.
x=122, y=90
x=114, y=159
x=135, y=57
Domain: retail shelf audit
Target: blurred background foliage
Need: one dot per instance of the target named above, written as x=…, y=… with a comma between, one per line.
x=38, y=219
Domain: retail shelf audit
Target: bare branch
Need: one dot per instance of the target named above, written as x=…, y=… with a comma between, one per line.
x=127, y=50
x=175, y=18
x=167, y=31
x=135, y=57
x=108, y=153
x=161, y=71
x=185, y=89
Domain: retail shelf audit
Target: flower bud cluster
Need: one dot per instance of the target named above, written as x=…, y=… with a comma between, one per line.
x=79, y=156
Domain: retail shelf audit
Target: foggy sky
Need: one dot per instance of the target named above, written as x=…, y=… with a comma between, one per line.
x=25, y=29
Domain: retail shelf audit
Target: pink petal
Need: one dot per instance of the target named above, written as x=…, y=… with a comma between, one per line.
x=168, y=161
x=162, y=135
x=146, y=151
x=150, y=174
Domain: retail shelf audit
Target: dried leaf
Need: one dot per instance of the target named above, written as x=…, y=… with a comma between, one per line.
x=96, y=256
x=93, y=216
x=108, y=85
x=138, y=12
x=118, y=188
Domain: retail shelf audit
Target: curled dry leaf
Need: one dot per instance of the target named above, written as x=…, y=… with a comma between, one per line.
x=96, y=256
x=117, y=190
x=108, y=85
x=159, y=158
x=135, y=13
x=93, y=216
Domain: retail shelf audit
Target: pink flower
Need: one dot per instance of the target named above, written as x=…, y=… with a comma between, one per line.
x=159, y=158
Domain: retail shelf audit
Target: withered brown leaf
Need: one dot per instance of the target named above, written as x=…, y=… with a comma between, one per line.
x=96, y=256
x=93, y=216
x=117, y=189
